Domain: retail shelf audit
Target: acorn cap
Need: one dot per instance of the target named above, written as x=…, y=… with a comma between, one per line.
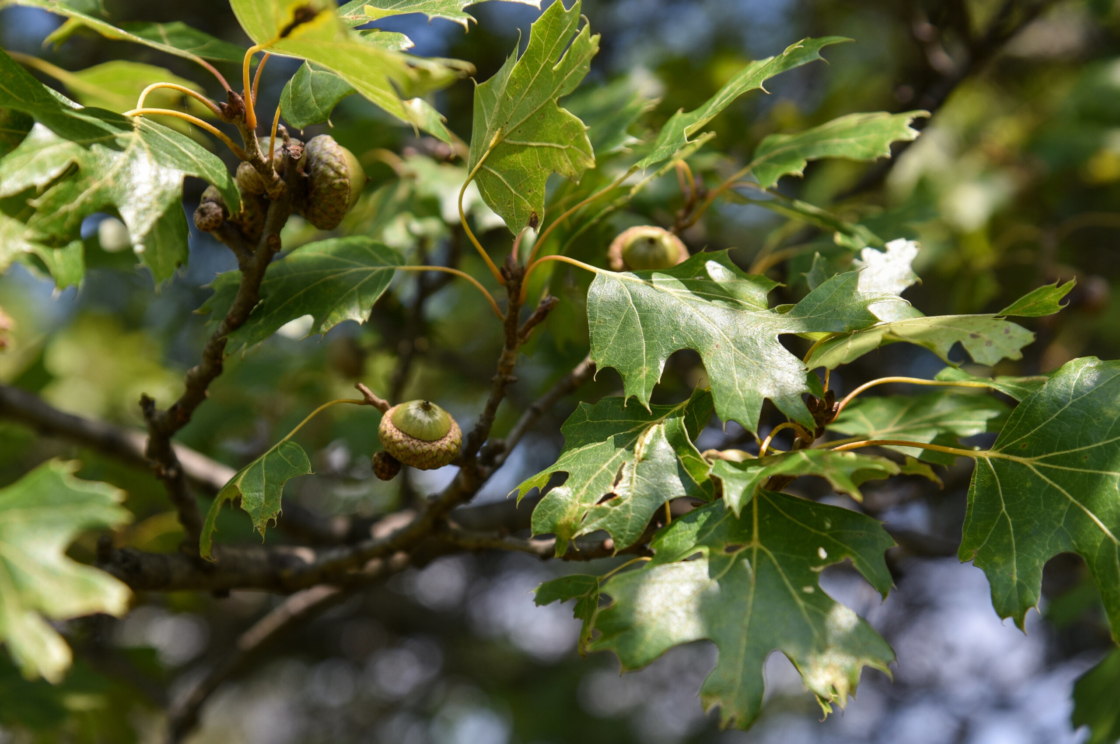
x=421, y=434
x=645, y=248
x=335, y=180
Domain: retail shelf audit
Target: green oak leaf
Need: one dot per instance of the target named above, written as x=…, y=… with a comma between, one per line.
x=259, y=485
x=65, y=264
x=173, y=38
x=365, y=11
x=752, y=589
x=850, y=235
x=312, y=30
x=681, y=128
x=521, y=135
x=1094, y=701
x=943, y=417
x=888, y=272
x=40, y=515
x=854, y=137
x=844, y=471
x=1049, y=485
x=580, y=587
x=1015, y=387
x=333, y=281
x=14, y=126
x=82, y=161
x=311, y=95
x=623, y=462
x=986, y=338
x=1043, y=301
x=708, y=304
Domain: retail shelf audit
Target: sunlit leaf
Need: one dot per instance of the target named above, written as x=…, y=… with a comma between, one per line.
x=708, y=304
x=854, y=137
x=521, y=135
x=1045, y=300
x=753, y=589
x=1016, y=387
x=679, y=131
x=623, y=462
x=40, y=515
x=451, y=10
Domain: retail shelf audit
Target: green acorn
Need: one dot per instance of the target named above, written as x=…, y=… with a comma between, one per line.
x=421, y=434
x=335, y=179
x=646, y=248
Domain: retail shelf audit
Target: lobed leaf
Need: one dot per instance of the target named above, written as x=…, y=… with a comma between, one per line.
x=708, y=304
x=752, y=589
x=333, y=281
x=40, y=515
x=622, y=463
x=580, y=587
x=609, y=111
x=853, y=137
x=82, y=161
x=1042, y=301
x=521, y=135
x=260, y=485
x=312, y=30
x=1049, y=485
x=1094, y=701
x=1015, y=387
x=942, y=417
x=844, y=471
x=681, y=128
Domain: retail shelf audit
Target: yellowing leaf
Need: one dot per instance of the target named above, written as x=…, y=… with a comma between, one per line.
x=40, y=514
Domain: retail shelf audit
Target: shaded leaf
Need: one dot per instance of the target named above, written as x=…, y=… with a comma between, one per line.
x=1094, y=701
x=1016, y=387
x=580, y=587
x=259, y=485
x=14, y=126
x=1042, y=301
x=850, y=235
x=609, y=111
x=753, y=589
x=1049, y=485
x=116, y=86
x=332, y=281
x=853, y=137
x=708, y=304
x=942, y=417
x=844, y=471
x=174, y=38
x=311, y=95
x=65, y=264
x=40, y=515
x=521, y=135
x=623, y=462
x=681, y=128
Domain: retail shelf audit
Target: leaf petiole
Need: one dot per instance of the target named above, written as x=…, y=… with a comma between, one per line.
x=181, y=89
x=233, y=146
x=317, y=411
x=974, y=454
x=780, y=427
x=257, y=77
x=250, y=114
x=464, y=275
x=463, y=219
x=910, y=381
x=557, y=257
x=559, y=220
x=627, y=564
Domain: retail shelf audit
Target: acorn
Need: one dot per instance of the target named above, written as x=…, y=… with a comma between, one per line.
x=646, y=248
x=212, y=210
x=421, y=434
x=385, y=466
x=335, y=179
x=248, y=180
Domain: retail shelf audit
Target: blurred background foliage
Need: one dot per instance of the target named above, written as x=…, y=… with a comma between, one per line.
x=1014, y=182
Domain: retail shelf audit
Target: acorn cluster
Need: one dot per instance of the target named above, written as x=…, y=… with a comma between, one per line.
x=419, y=434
